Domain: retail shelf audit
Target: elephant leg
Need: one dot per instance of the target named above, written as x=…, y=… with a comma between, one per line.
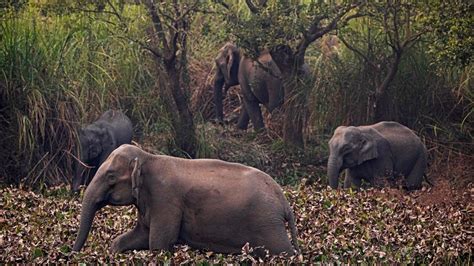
x=164, y=228
x=243, y=119
x=275, y=240
x=253, y=109
x=415, y=177
x=351, y=180
x=137, y=239
x=347, y=181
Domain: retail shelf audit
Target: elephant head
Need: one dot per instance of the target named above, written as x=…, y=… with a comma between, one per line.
x=227, y=69
x=227, y=61
x=115, y=183
x=93, y=141
x=349, y=147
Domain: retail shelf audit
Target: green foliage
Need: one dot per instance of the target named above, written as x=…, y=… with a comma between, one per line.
x=452, y=32
x=277, y=23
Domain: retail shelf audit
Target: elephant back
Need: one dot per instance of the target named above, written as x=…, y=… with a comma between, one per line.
x=118, y=124
x=406, y=146
x=265, y=82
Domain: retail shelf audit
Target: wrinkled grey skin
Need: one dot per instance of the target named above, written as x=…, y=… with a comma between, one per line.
x=385, y=149
x=260, y=83
x=97, y=141
x=204, y=203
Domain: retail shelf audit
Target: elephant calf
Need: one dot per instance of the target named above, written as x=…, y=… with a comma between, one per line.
x=204, y=203
x=385, y=149
x=97, y=141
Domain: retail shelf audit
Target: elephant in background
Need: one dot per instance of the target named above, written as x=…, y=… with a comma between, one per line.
x=97, y=141
x=204, y=203
x=260, y=83
x=385, y=149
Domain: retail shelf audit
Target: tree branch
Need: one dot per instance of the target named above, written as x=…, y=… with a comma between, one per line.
x=157, y=24
x=357, y=51
x=251, y=6
x=222, y=3
x=315, y=32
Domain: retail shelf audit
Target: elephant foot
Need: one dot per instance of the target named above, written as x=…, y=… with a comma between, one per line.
x=241, y=127
x=217, y=121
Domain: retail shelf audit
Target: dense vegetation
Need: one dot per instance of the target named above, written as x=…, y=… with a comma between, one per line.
x=62, y=63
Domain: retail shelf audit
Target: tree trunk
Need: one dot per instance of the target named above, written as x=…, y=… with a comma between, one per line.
x=383, y=103
x=183, y=126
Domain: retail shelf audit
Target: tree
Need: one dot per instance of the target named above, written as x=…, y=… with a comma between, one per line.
x=167, y=43
x=398, y=24
x=287, y=28
x=171, y=22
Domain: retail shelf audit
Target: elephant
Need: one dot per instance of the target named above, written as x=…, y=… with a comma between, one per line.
x=204, y=203
x=260, y=83
x=385, y=149
x=97, y=141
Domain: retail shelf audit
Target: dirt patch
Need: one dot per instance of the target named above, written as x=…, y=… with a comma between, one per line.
x=441, y=194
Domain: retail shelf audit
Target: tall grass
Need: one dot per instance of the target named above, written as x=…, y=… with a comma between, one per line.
x=59, y=72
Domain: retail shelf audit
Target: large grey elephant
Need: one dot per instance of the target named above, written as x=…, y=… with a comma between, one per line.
x=97, y=141
x=260, y=83
x=204, y=203
x=385, y=149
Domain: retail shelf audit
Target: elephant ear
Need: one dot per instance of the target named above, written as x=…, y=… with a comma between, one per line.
x=136, y=180
x=368, y=149
x=230, y=62
x=106, y=142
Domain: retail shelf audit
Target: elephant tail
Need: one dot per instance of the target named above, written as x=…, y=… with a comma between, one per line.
x=290, y=218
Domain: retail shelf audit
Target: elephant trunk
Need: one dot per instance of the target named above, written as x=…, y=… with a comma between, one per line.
x=334, y=167
x=91, y=203
x=77, y=176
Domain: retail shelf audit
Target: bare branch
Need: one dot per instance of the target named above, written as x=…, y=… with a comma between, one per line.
x=357, y=51
x=157, y=24
x=396, y=27
x=92, y=11
x=251, y=6
x=143, y=45
x=222, y=3
x=412, y=39
x=115, y=12
x=315, y=31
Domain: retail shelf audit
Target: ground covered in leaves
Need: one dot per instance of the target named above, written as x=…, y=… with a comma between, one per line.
x=434, y=225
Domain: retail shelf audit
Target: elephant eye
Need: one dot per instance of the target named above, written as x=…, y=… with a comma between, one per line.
x=345, y=148
x=111, y=177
